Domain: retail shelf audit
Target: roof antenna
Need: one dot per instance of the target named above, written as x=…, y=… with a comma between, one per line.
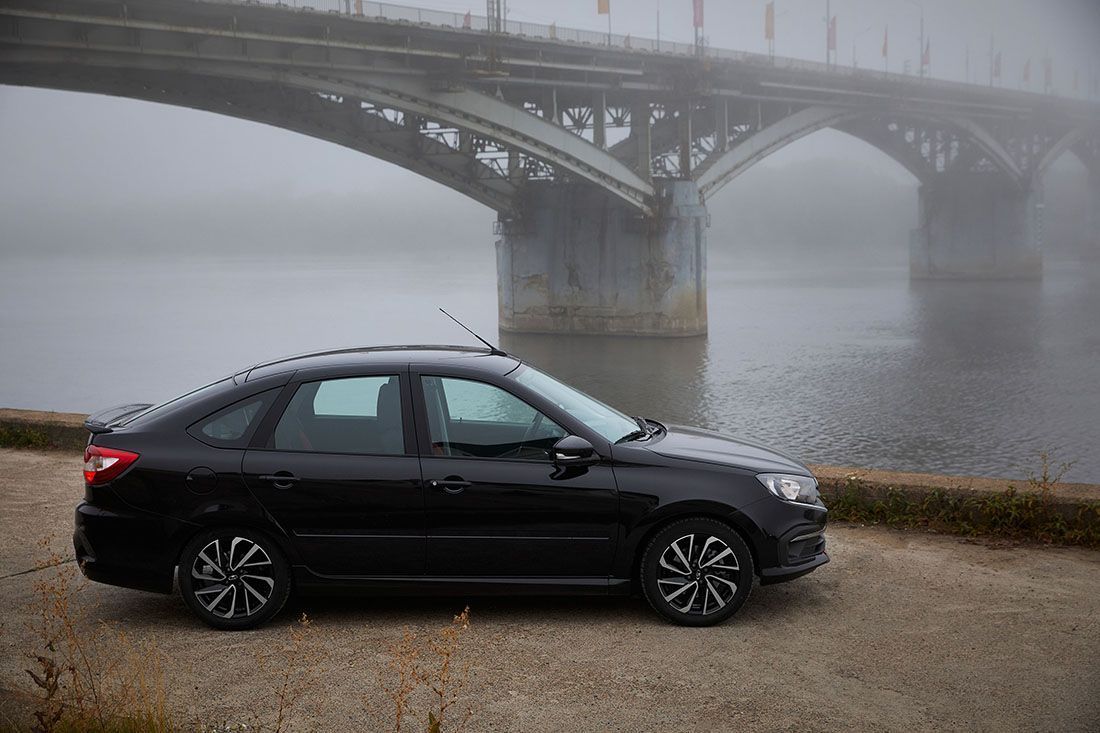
x=492, y=349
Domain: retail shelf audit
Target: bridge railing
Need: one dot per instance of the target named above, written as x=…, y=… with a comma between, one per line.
x=393, y=12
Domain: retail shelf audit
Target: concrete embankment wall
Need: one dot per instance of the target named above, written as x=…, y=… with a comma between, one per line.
x=65, y=431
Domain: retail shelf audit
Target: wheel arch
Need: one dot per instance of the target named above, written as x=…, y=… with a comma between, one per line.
x=230, y=520
x=655, y=523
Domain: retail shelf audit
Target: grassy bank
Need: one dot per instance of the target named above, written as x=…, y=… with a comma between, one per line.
x=1026, y=515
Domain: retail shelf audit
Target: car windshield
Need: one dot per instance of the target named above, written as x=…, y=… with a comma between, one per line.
x=607, y=421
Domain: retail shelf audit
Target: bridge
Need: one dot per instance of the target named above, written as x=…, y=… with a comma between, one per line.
x=597, y=152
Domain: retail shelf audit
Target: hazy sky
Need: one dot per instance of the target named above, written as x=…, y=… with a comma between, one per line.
x=99, y=160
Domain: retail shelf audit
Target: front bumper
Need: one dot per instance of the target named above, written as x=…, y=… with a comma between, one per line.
x=789, y=538
x=800, y=551
x=131, y=549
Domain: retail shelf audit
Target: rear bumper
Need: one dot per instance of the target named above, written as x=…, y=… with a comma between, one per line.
x=126, y=548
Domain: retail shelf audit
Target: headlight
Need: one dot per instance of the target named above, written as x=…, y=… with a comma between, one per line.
x=802, y=489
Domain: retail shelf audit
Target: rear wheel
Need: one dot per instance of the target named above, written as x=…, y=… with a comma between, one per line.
x=697, y=572
x=233, y=578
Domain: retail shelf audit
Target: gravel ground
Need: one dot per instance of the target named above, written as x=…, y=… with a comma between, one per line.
x=901, y=631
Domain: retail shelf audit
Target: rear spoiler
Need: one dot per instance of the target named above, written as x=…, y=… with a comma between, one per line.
x=104, y=420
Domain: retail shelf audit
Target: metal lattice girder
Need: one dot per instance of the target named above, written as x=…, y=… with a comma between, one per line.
x=484, y=113
x=536, y=144
x=341, y=120
x=926, y=145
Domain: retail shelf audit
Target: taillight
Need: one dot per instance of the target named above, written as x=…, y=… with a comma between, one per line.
x=102, y=464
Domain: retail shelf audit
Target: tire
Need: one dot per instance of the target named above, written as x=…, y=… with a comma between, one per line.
x=687, y=594
x=233, y=578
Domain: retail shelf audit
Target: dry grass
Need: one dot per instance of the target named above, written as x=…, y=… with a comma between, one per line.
x=427, y=671
x=85, y=675
x=88, y=676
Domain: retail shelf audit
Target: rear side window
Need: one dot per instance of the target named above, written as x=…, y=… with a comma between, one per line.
x=359, y=415
x=232, y=427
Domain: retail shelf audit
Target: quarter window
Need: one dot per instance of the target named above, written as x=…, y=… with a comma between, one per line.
x=233, y=425
x=475, y=419
x=353, y=415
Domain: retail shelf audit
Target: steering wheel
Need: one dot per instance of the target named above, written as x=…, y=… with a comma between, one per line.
x=528, y=434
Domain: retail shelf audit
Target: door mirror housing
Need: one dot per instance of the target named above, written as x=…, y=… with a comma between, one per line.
x=573, y=450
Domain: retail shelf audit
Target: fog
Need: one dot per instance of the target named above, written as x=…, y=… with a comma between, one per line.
x=138, y=176
x=197, y=243
x=98, y=174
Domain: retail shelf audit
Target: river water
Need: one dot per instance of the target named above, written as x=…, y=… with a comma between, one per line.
x=850, y=367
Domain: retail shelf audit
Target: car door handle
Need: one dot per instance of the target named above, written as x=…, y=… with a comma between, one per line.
x=281, y=480
x=451, y=486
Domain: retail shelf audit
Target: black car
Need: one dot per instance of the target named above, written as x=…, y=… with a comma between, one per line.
x=431, y=470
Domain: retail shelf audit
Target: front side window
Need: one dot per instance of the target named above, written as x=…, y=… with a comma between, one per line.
x=479, y=420
x=352, y=415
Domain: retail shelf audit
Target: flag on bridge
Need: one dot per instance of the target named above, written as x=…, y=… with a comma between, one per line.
x=832, y=34
x=997, y=66
x=1027, y=71
x=603, y=7
x=698, y=8
x=769, y=21
x=1048, y=72
x=554, y=30
x=926, y=57
x=886, y=42
x=467, y=21
x=359, y=7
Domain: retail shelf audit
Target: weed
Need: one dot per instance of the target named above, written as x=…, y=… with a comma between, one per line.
x=86, y=676
x=1030, y=515
x=429, y=669
x=17, y=436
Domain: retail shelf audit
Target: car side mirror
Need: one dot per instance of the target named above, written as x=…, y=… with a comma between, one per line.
x=573, y=450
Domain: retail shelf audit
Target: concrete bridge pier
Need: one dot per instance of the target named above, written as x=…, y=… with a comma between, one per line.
x=977, y=225
x=580, y=260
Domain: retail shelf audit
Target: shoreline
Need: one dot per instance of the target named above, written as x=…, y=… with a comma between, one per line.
x=1021, y=509
x=65, y=431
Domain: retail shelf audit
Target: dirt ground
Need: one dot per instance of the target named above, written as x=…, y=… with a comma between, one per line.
x=900, y=631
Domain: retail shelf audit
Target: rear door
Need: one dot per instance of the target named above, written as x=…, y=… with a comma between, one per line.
x=338, y=471
x=497, y=505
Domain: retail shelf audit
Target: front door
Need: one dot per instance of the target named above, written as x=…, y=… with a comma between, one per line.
x=341, y=476
x=497, y=505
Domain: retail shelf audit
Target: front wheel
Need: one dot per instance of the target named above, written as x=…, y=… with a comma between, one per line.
x=233, y=579
x=697, y=572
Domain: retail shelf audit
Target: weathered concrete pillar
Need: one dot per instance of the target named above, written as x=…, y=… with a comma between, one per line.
x=582, y=261
x=977, y=225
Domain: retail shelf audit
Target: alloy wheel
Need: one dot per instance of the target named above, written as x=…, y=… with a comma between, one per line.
x=698, y=574
x=233, y=577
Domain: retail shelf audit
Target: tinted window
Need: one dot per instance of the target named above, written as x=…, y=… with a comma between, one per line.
x=234, y=425
x=352, y=415
x=468, y=418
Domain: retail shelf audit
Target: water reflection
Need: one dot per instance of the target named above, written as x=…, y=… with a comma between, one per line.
x=659, y=378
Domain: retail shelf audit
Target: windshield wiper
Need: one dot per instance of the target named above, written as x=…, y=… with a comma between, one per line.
x=643, y=431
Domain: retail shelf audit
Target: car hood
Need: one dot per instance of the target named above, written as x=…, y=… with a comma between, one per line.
x=694, y=444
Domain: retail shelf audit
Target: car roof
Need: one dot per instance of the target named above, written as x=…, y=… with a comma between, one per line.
x=490, y=360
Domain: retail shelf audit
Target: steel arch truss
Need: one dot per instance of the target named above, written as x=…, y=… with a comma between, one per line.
x=475, y=166
x=926, y=145
x=424, y=119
